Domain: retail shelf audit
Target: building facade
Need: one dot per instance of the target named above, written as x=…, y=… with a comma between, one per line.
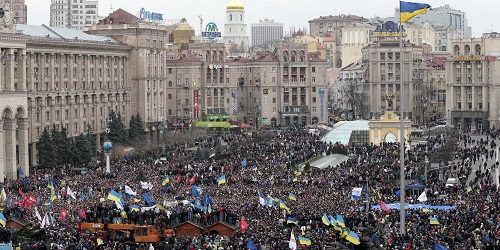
x=473, y=83
x=73, y=14
x=383, y=75
x=288, y=86
x=266, y=32
x=19, y=8
x=147, y=42
x=332, y=26
x=235, y=28
x=349, y=92
x=355, y=37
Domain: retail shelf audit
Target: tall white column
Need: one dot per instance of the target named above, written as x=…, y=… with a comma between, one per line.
x=22, y=140
x=10, y=149
x=2, y=153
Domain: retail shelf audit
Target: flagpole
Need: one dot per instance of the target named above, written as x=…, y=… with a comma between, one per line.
x=401, y=132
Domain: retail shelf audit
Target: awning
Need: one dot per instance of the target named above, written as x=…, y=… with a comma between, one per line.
x=245, y=125
x=202, y=124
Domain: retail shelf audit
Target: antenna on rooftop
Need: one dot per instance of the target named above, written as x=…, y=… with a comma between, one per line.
x=111, y=8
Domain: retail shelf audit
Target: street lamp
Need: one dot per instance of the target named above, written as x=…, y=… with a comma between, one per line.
x=424, y=101
x=426, y=169
x=107, y=145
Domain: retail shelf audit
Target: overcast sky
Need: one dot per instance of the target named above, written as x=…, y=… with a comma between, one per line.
x=480, y=13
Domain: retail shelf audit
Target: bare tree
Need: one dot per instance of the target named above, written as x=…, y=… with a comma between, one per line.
x=353, y=96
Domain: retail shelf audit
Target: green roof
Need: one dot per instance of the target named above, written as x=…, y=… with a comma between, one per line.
x=202, y=124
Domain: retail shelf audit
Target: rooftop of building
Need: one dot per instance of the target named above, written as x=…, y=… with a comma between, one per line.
x=45, y=31
x=119, y=16
x=339, y=18
x=342, y=131
x=235, y=5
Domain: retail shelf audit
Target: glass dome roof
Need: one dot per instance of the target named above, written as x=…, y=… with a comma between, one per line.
x=342, y=131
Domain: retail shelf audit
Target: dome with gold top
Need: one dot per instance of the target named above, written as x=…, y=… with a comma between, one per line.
x=235, y=5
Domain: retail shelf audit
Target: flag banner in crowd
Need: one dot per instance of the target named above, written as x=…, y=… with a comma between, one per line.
x=356, y=193
x=293, y=243
x=99, y=241
x=340, y=220
x=254, y=167
x=438, y=246
x=37, y=214
x=63, y=213
x=422, y=197
x=3, y=220
x=251, y=245
x=243, y=225
x=384, y=207
x=353, y=238
x=70, y=193
x=244, y=163
x=304, y=241
x=291, y=220
x=221, y=180
x=4, y=195
x=165, y=180
x=212, y=155
x=148, y=199
x=433, y=221
x=114, y=196
x=196, y=191
x=192, y=180
x=469, y=189
x=292, y=197
x=413, y=206
x=325, y=219
x=146, y=185
x=128, y=190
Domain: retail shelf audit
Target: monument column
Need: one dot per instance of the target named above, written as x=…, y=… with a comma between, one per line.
x=10, y=149
x=2, y=153
x=22, y=138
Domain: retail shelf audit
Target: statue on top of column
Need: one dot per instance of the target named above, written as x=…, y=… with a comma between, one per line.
x=7, y=21
x=389, y=99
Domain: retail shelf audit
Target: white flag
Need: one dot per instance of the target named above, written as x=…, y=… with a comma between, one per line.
x=38, y=215
x=70, y=193
x=119, y=205
x=129, y=191
x=292, y=244
x=422, y=197
x=4, y=195
x=262, y=201
x=45, y=221
x=146, y=185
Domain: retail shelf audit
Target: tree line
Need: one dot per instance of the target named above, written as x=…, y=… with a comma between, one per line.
x=55, y=148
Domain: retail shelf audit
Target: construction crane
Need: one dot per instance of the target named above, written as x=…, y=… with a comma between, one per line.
x=201, y=24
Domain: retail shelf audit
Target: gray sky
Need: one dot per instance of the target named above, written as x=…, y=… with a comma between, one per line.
x=480, y=13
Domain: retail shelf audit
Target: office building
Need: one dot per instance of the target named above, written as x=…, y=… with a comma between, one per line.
x=73, y=14
x=472, y=77
x=266, y=32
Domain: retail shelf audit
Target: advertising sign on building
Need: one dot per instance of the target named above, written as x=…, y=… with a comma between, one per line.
x=211, y=31
x=149, y=16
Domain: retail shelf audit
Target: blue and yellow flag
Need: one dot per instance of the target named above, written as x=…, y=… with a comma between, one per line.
x=254, y=167
x=212, y=155
x=469, y=189
x=165, y=180
x=99, y=241
x=325, y=220
x=291, y=220
x=353, y=238
x=408, y=10
x=292, y=197
x=295, y=179
x=304, y=241
x=2, y=220
x=221, y=180
x=340, y=220
x=114, y=196
x=433, y=221
x=283, y=205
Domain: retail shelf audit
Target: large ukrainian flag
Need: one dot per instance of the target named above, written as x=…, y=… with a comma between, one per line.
x=408, y=10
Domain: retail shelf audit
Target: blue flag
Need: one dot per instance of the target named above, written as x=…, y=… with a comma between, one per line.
x=148, y=199
x=251, y=245
x=244, y=163
x=26, y=180
x=21, y=172
x=83, y=196
x=165, y=188
x=196, y=191
x=90, y=193
x=438, y=246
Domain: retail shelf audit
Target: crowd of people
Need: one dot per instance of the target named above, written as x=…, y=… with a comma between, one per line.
x=267, y=167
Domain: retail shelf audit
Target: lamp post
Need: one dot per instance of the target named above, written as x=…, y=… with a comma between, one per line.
x=424, y=107
x=426, y=169
x=496, y=170
x=107, y=146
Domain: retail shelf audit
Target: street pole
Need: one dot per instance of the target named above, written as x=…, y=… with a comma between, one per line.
x=496, y=170
x=426, y=169
x=108, y=168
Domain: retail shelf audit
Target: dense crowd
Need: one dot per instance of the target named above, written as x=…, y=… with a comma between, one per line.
x=273, y=169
